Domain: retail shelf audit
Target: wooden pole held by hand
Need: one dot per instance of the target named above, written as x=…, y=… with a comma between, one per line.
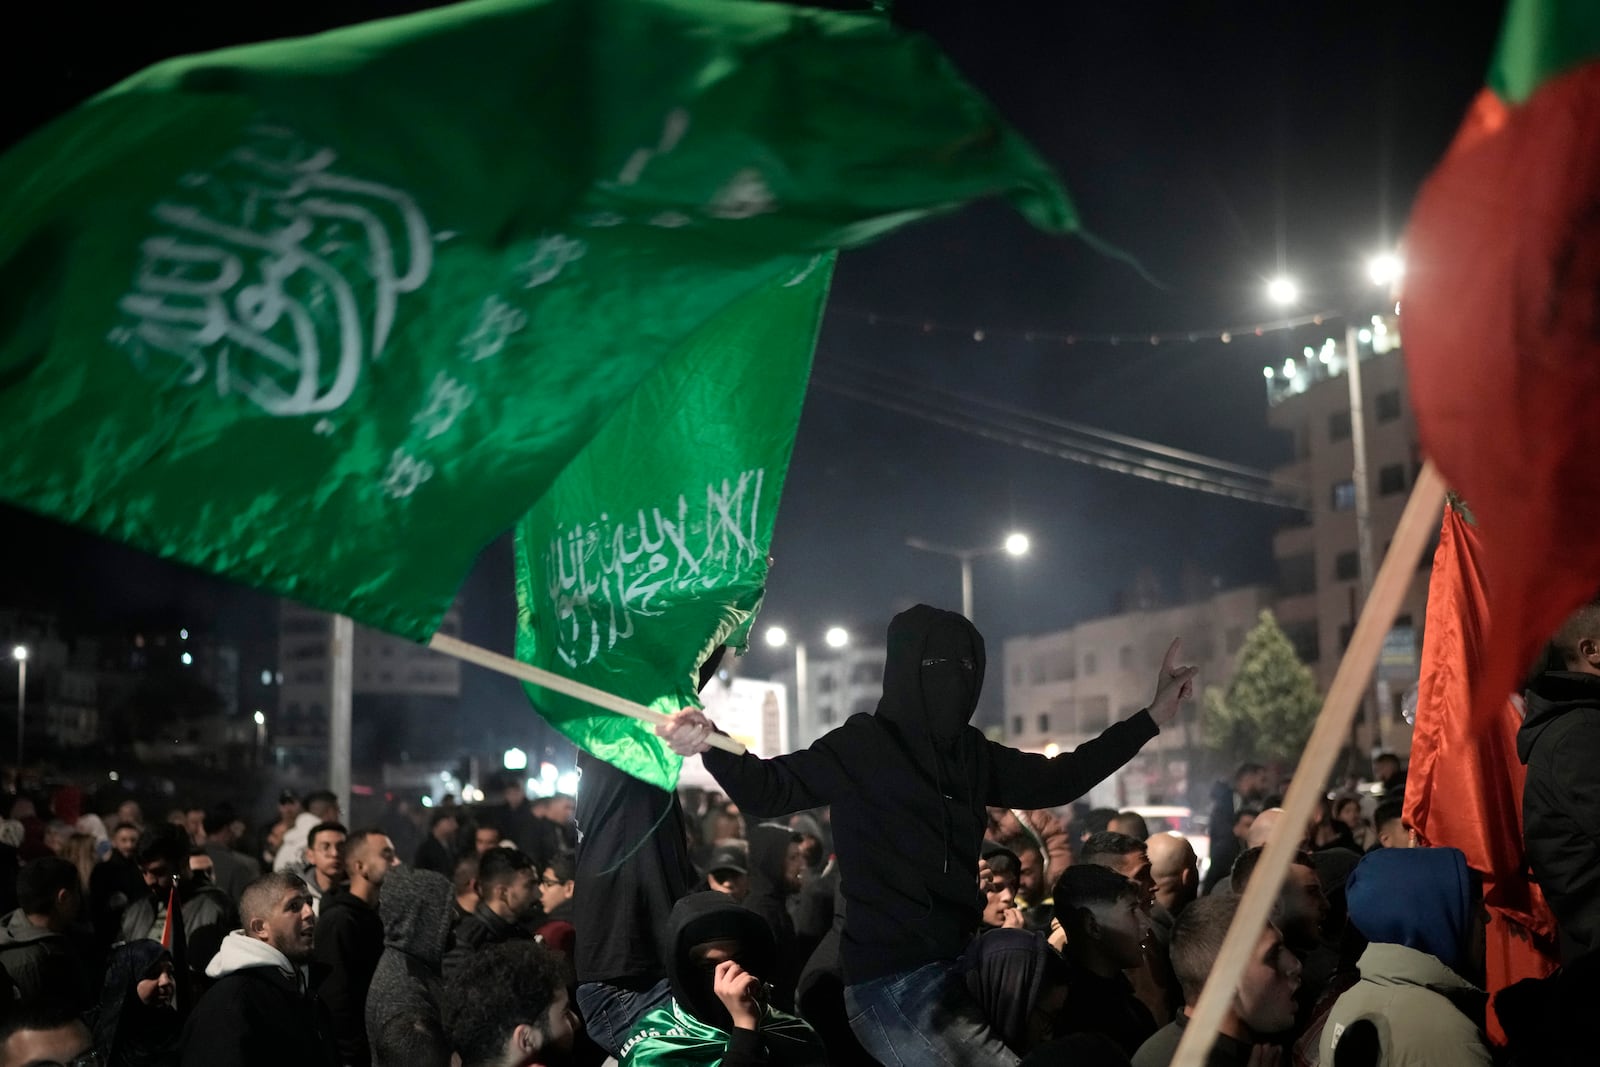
x=1411, y=538
x=524, y=672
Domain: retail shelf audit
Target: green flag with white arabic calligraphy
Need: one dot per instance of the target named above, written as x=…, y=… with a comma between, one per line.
x=327, y=315
x=651, y=548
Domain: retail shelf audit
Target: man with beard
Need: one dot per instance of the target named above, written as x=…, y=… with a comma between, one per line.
x=350, y=940
x=264, y=1008
x=207, y=912
x=910, y=787
x=508, y=887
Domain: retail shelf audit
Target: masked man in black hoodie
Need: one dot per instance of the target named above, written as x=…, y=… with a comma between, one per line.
x=910, y=786
x=1560, y=743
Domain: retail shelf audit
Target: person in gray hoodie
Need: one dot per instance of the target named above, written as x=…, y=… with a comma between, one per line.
x=404, y=1024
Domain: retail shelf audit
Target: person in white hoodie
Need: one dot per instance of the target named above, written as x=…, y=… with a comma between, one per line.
x=320, y=807
x=263, y=1010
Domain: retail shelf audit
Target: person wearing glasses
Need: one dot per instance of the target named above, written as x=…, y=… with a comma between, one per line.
x=910, y=786
x=46, y=1035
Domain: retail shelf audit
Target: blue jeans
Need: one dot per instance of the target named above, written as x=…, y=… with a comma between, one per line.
x=923, y=1016
x=610, y=1012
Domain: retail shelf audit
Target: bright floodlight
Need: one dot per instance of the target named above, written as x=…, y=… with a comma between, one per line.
x=777, y=637
x=515, y=760
x=1386, y=269
x=187, y=659
x=1017, y=544
x=261, y=720
x=1283, y=291
x=19, y=653
x=836, y=637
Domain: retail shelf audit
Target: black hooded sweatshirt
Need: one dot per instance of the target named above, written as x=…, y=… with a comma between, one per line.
x=769, y=898
x=909, y=786
x=1560, y=743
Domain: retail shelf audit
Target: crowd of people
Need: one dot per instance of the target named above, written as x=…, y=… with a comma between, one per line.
x=904, y=891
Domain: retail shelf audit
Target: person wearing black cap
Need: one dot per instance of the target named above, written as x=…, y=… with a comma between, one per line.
x=728, y=871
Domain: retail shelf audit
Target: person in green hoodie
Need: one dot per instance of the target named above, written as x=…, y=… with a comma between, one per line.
x=1419, y=999
x=719, y=1012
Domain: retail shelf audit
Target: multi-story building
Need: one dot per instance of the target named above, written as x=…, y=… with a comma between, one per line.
x=1064, y=688
x=839, y=683
x=403, y=695
x=1319, y=563
x=60, y=709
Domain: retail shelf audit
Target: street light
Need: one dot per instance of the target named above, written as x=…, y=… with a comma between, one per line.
x=1016, y=544
x=20, y=654
x=1283, y=291
x=1385, y=269
x=778, y=637
x=514, y=760
x=261, y=737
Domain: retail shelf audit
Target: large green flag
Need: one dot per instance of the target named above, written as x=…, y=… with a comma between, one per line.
x=327, y=315
x=651, y=548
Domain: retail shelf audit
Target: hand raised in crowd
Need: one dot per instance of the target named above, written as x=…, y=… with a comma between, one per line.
x=686, y=732
x=737, y=989
x=1173, y=686
x=1011, y=918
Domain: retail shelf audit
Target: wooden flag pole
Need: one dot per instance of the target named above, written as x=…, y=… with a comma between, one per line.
x=1333, y=726
x=494, y=661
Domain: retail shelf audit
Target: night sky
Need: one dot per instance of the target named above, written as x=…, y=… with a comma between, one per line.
x=1213, y=143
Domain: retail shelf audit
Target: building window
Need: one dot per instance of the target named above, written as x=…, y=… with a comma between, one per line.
x=1392, y=479
x=1346, y=631
x=1094, y=714
x=825, y=714
x=1347, y=566
x=1016, y=725
x=1125, y=657
x=1044, y=722
x=1339, y=426
x=1303, y=636
x=825, y=684
x=1297, y=575
x=1089, y=665
x=1388, y=405
x=1344, y=495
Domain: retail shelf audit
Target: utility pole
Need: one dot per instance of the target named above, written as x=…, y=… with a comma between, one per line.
x=341, y=649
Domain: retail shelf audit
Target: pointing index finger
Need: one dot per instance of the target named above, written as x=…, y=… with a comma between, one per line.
x=1171, y=660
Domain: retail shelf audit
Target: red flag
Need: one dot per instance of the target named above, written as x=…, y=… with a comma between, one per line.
x=1464, y=788
x=1502, y=327
x=172, y=910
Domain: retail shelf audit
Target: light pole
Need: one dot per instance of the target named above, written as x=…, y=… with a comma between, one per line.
x=1015, y=545
x=778, y=637
x=20, y=654
x=261, y=738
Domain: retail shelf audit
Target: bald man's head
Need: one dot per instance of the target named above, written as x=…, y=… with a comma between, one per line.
x=1176, y=871
x=1261, y=830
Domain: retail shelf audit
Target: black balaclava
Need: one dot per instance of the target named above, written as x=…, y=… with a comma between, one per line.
x=702, y=917
x=933, y=674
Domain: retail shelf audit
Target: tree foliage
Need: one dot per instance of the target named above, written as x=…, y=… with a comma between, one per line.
x=1270, y=706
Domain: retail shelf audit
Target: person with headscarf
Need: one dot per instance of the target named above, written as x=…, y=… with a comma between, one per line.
x=138, y=1023
x=720, y=1011
x=910, y=787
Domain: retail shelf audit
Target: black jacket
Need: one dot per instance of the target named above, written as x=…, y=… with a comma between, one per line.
x=349, y=942
x=769, y=898
x=434, y=856
x=1560, y=743
x=476, y=932
x=910, y=785
x=259, y=1016
x=633, y=865
x=44, y=966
